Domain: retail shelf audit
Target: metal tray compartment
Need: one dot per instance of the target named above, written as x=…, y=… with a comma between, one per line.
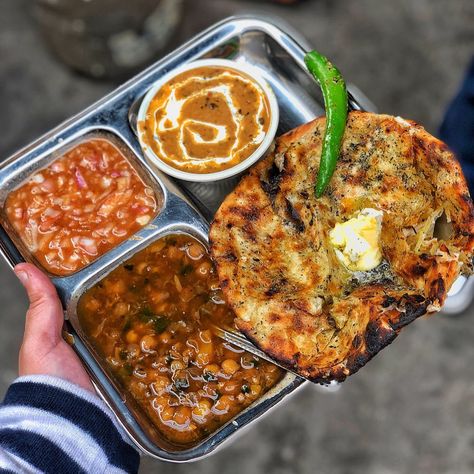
x=20, y=170
x=280, y=60
x=138, y=425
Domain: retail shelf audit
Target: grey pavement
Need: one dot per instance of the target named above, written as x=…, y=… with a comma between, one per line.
x=410, y=410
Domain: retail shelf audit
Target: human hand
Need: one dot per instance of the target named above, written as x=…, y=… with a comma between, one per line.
x=43, y=350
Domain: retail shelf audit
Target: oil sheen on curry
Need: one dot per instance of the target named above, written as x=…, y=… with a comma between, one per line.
x=206, y=120
x=151, y=320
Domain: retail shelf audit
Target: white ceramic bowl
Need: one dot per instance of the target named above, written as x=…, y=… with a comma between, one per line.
x=246, y=69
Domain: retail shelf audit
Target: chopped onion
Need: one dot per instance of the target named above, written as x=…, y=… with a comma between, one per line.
x=143, y=220
x=119, y=232
x=104, y=158
x=57, y=167
x=50, y=212
x=88, y=245
x=81, y=182
x=47, y=186
x=106, y=181
x=123, y=183
x=37, y=178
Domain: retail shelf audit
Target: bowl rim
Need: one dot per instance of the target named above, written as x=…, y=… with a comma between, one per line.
x=244, y=68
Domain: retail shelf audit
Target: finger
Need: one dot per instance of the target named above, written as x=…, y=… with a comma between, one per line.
x=44, y=319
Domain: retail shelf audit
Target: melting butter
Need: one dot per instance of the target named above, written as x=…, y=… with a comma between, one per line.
x=356, y=241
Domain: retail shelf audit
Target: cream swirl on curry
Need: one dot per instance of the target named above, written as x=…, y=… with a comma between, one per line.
x=207, y=119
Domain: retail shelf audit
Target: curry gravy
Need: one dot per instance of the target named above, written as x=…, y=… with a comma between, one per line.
x=151, y=319
x=207, y=119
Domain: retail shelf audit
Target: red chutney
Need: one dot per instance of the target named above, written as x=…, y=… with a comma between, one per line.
x=80, y=206
x=151, y=320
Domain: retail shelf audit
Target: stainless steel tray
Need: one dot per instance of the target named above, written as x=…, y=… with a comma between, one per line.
x=280, y=60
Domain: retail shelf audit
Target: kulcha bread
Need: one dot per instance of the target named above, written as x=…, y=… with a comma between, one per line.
x=279, y=271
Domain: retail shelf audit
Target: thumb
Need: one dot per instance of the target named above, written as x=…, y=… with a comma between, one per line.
x=43, y=350
x=44, y=319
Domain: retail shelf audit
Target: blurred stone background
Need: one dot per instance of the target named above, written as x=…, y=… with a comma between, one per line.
x=411, y=410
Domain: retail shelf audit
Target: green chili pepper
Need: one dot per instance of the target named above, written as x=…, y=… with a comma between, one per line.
x=335, y=101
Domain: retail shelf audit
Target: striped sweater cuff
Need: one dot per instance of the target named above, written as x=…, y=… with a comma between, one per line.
x=50, y=425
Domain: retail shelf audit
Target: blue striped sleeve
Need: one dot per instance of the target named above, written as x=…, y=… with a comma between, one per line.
x=50, y=425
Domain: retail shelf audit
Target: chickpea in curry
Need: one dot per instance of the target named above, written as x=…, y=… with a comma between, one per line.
x=151, y=319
